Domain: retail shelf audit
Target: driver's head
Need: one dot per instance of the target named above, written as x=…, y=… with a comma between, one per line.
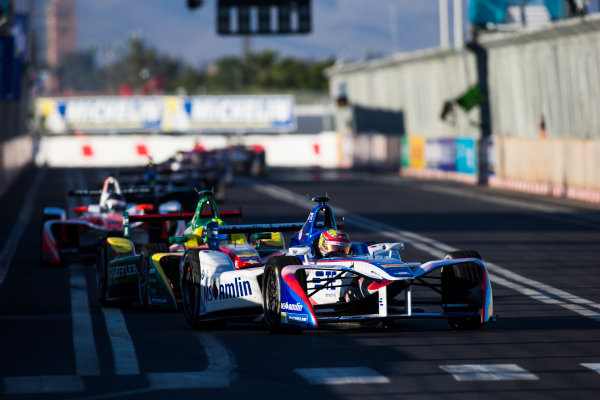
x=115, y=203
x=334, y=243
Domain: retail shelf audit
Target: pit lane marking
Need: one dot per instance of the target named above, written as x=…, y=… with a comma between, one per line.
x=218, y=374
x=221, y=363
x=86, y=355
x=552, y=212
x=341, y=376
x=438, y=250
x=489, y=372
x=126, y=362
x=593, y=366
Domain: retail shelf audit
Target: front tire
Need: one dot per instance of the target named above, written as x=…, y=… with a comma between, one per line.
x=271, y=293
x=460, y=285
x=191, y=288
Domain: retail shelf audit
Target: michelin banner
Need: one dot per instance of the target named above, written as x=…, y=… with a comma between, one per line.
x=196, y=114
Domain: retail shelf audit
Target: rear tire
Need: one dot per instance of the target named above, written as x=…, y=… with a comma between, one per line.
x=145, y=260
x=460, y=286
x=271, y=293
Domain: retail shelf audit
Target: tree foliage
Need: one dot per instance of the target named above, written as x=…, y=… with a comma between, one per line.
x=77, y=72
x=142, y=69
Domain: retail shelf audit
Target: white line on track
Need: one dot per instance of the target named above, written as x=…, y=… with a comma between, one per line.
x=341, y=376
x=593, y=366
x=126, y=362
x=220, y=364
x=540, y=291
x=14, y=238
x=86, y=356
x=489, y=372
x=548, y=211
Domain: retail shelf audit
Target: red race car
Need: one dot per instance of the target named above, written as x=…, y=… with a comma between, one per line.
x=64, y=237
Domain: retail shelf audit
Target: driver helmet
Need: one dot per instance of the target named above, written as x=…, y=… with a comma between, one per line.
x=115, y=204
x=334, y=243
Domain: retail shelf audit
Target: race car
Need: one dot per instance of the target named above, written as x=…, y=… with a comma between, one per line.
x=311, y=286
x=151, y=274
x=77, y=236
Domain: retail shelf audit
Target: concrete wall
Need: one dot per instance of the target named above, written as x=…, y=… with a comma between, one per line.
x=557, y=162
x=552, y=72
x=15, y=154
x=416, y=84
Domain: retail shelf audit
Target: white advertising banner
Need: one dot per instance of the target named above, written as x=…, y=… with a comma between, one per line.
x=251, y=113
x=196, y=114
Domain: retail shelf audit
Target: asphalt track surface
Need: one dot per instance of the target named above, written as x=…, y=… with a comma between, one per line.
x=56, y=342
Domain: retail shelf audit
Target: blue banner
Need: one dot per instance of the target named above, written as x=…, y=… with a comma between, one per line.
x=465, y=155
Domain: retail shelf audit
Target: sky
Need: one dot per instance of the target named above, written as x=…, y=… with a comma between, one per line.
x=342, y=29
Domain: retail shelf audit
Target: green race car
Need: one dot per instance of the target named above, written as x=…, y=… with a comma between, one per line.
x=151, y=274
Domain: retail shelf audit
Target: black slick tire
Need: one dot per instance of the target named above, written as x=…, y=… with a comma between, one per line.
x=460, y=284
x=190, y=288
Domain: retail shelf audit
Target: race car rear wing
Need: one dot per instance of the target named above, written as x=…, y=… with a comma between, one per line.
x=98, y=192
x=256, y=228
x=182, y=216
x=214, y=230
x=155, y=218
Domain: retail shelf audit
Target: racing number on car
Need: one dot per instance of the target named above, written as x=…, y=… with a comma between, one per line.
x=320, y=276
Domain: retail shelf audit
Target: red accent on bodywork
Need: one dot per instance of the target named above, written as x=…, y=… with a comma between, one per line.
x=113, y=222
x=378, y=285
x=288, y=274
x=49, y=247
x=145, y=207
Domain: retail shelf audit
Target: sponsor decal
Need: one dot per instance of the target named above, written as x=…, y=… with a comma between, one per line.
x=291, y=306
x=298, y=317
x=121, y=271
x=229, y=290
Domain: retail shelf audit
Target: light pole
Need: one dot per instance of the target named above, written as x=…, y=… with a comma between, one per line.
x=444, y=37
x=458, y=24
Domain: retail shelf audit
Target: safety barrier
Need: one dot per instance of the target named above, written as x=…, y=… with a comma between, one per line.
x=15, y=154
x=530, y=165
x=283, y=150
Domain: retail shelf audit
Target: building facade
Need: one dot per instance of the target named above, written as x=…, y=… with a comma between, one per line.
x=61, y=35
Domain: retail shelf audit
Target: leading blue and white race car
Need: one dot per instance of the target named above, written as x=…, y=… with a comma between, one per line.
x=306, y=288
